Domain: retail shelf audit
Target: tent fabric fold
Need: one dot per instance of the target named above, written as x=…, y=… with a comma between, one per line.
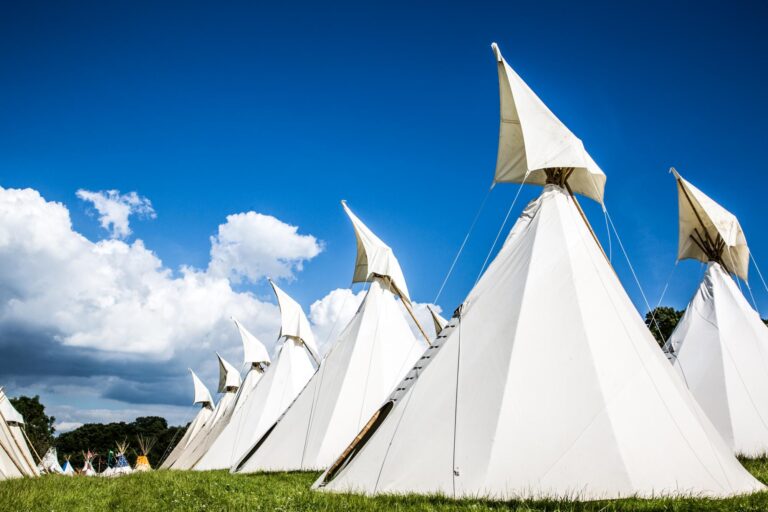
x=704, y=224
x=532, y=139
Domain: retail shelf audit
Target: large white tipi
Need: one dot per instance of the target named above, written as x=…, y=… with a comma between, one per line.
x=202, y=397
x=720, y=346
x=13, y=426
x=229, y=383
x=546, y=382
x=371, y=355
x=255, y=355
x=281, y=383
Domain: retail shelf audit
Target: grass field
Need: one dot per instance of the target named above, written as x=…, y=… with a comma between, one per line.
x=218, y=490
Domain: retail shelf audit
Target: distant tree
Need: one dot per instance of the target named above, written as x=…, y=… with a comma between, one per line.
x=765, y=321
x=102, y=437
x=37, y=424
x=662, y=321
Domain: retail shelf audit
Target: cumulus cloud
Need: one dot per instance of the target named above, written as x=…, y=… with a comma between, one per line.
x=332, y=313
x=251, y=246
x=114, y=209
x=111, y=317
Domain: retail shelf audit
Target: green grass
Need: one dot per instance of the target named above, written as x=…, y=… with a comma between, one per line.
x=218, y=490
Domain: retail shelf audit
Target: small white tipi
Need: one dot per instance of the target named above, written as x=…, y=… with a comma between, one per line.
x=17, y=439
x=371, y=355
x=50, y=462
x=720, y=346
x=67, y=468
x=229, y=383
x=202, y=397
x=546, y=382
x=255, y=355
x=279, y=386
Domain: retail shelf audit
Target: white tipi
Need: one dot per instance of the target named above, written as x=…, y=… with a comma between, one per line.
x=279, y=386
x=371, y=355
x=255, y=355
x=50, y=462
x=546, y=382
x=720, y=345
x=17, y=442
x=202, y=397
x=229, y=383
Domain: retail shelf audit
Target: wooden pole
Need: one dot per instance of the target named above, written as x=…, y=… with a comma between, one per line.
x=586, y=221
x=407, y=305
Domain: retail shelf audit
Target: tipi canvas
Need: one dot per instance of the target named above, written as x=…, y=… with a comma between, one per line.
x=202, y=397
x=256, y=357
x=720, y=346
x=546, y=382
x=229, y=383
x=17, y=442
x=279, y=386
x=371, y=355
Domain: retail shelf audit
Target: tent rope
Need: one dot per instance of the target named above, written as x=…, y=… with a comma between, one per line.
x=608, y=234
x=501, y=228
x=758, y=270
x=647, y=372
x=634, y=275
x=463, y=244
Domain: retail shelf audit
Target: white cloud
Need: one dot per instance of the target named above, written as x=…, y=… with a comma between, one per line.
x=251, y=246
x=66, y=426
x=332, y=313
x=110, y=295
x=114, y=209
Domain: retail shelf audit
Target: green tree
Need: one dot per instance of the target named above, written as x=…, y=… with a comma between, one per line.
x=102, y=437
x=37, y=424
x=662, y=321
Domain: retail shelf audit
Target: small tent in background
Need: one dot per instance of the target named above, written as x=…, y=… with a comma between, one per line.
x=720, y=346
x=370, y=356
x=256, y=358
x=546, y=382
x=50, y=462
x=203, y=397
x=121, y=466
x=67, y=468
x=87, y=469
x=145, y=446
x=17, y=444
x=229, y=383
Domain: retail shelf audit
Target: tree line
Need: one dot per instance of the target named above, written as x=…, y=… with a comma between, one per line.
x=99, y=438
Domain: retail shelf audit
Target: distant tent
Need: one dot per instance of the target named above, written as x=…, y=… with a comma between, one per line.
x=145, y=446
x=229, y=383
x=370, y=356
x=87, y=469
x=720, y=346
x=546, y=382
x=17, y=439
x=50, y=462
x=122, y=467
x=279, y=386
x=202, y=397
x=256, y=358
x=67, y=468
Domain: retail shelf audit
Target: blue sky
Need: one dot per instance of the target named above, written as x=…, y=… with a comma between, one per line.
x=210, y=109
